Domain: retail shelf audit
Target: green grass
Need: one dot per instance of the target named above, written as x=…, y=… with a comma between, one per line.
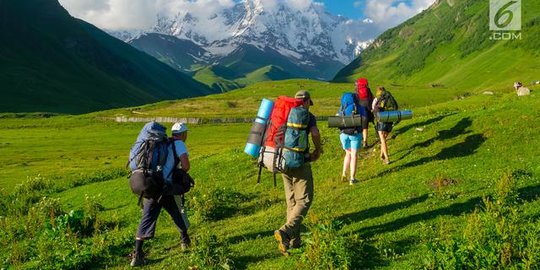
x=470, y=142
x=243, y=102
x=224, y=79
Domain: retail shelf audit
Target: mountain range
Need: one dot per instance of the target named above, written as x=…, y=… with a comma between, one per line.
x=52, y=62
x=303, y=42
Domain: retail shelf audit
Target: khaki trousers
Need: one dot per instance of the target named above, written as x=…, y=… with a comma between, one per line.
x=298, y=185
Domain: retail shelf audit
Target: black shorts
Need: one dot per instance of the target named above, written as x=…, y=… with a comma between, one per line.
x=366, y=120
x=387, y=127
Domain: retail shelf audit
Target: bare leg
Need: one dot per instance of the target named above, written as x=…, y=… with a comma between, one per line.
x=353, y=153
x=364, y=137
x=346, y=163
x=384, y=148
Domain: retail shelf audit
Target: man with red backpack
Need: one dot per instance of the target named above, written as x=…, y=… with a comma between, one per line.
x=366, y=99
x=298, y=183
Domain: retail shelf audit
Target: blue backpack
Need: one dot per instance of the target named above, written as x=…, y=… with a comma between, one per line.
x=146, y=159
x=350, y=106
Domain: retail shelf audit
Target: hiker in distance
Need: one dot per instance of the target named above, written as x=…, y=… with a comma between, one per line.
x=351, y=138
x=366, y=99
x=384, y=101
x=298, y=185
x=177, y=154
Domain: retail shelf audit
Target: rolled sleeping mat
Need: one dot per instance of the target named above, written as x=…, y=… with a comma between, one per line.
x=394, y=116
x=345, y=121
x=256, y=135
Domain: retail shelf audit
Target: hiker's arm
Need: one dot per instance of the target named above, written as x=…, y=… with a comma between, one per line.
x=316, y=137
x=184, y=161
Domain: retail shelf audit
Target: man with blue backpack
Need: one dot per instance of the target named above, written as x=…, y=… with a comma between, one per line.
x=351, y=137
x=153, y=160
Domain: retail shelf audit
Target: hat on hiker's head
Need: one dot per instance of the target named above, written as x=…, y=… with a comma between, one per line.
x=178, y=128
x=303, y=95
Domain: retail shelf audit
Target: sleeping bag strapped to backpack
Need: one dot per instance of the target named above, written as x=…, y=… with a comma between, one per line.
x=146, y=159
x=350, y=106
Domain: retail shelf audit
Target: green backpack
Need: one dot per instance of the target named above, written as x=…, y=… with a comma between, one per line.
x=387, y=102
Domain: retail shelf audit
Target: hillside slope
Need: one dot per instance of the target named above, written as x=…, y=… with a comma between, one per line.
x=444, y=161
x=53, y=62
x=449, y=45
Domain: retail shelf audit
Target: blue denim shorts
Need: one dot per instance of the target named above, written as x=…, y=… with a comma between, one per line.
x=351, y=141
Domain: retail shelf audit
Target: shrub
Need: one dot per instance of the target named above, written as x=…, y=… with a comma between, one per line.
x=209, y=252
x=326, y=248
x=499, y=236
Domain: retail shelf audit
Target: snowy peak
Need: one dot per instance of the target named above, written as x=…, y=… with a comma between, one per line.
x=303, y=32
x=294, y=29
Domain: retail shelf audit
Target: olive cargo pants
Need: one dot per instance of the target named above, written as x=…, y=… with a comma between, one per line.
x=298, y=185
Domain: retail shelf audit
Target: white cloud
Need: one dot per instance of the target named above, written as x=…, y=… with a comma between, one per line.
x=142, y=14
x=389, y=13
x=137, y=14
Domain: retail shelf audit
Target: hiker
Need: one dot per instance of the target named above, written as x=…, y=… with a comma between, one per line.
x=521, y=90
x=366, y=99
x=351, y=137
x=173, y=204
x=298, y=185
x=384, y=101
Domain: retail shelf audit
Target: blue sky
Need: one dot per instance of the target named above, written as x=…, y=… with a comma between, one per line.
x=352, y=9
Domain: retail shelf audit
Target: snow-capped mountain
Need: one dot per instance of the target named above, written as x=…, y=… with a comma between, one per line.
x=308, y=36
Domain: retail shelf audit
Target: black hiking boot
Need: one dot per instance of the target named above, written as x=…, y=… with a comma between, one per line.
x=186, y=242
x=138, y=259
x=283, y=242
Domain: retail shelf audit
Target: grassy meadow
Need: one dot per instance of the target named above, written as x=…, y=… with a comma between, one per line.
x=244, y=102
x=462, y=191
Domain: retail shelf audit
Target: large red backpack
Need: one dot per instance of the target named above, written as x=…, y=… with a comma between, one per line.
x=364, y=93
x=275, y=134
x=278, y=118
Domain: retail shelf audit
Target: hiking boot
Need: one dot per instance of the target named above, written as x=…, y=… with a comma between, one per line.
x=184, y=246
x=365, y=144
x=138, y=259
x=343, y=178
x=295, y=243
x=386, y=161
x=283, y=242
x=353, y=182
x=186, y=242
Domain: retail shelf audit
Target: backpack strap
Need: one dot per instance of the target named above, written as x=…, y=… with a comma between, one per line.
x=259, y=175
x=175, y=156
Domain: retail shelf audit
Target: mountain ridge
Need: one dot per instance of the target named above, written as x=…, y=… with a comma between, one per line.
x=53, y=62
x=427, y=50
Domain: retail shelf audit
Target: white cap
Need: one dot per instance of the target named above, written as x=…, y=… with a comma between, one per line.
x=178, y=128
